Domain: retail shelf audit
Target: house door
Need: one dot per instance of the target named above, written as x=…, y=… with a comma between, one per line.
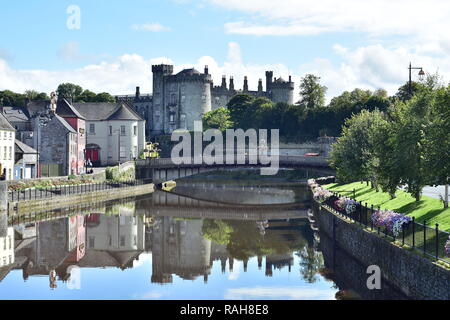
x=93, y=154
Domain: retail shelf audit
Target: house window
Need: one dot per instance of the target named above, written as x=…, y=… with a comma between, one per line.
x=4, y=134
x=122, y=130
x=110, y=130
x=135, y=130
x=110, y=240
x=122, y=152
x=10, y=153
x=5, y=149
x=122, y=241
x=91, y=242
x=92, y=128
x=10, y=135
x=171, y=118
x=135, y=151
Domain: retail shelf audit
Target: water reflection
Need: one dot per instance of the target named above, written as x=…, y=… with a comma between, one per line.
x=171, y=246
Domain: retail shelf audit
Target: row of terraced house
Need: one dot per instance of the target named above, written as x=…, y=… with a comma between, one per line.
x=38, y=141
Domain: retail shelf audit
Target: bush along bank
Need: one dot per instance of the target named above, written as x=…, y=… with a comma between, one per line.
x=430, y=241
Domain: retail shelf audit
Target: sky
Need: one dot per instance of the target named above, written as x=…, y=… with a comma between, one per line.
x=109, y=46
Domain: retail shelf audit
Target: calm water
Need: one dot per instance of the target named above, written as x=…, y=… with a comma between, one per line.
x=212, y=237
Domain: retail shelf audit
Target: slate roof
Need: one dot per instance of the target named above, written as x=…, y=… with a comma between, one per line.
x=66, y=110
x=4, y=124
x=16, y=114
x=23, y=148
x=99, y=111
x=37, y=106
x=191, y=71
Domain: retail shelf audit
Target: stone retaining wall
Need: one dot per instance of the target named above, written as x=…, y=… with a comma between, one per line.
x=414, y=275
x=81, y=198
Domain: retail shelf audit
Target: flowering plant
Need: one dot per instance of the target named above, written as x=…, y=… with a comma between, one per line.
x=350, y=206
x=447, y=247
x=321, y=194
x=339, y=204
x=393, y=222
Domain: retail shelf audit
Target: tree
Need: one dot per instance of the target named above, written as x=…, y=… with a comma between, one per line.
x=87, y=96
x=312, y=94
x=353, y=154
x=217, y=119
x=437, y=141
x=104, y=97
x=69, y=91
x=238, y=106
x=403, y=93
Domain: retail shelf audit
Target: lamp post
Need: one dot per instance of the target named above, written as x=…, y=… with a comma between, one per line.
x=421, y=75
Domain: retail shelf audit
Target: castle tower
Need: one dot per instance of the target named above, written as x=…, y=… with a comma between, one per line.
x=282, y=90
x=224, y=82
x=260, y=86
x=231, y=83
x=245, y=84
x=269, y=75
x=187, y=98
x=206, y=69
x=158, y=114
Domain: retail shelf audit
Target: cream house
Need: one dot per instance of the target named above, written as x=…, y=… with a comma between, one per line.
x=115, y=132
x=7, y=148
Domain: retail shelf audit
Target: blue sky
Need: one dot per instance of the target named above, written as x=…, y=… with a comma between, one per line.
x=349, y=45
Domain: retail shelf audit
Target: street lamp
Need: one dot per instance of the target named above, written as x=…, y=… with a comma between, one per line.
x=421, y=76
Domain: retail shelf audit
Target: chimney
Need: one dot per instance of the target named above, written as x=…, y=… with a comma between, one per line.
x=224, y=82
x=206, y=70
x=138, y=93
x=231, y=83
x=260, y=87
x=245, y=84
x=290, y=79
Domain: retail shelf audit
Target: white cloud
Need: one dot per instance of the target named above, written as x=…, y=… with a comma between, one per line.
x=379, y=17
x=151, y=295
x=294, y=293
x=234, y=275
x=152, y=27
x=366, y=67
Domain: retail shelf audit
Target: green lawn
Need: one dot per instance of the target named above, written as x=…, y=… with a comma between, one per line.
x=429, y=209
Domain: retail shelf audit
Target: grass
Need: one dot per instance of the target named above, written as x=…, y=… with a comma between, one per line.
x=429, y=209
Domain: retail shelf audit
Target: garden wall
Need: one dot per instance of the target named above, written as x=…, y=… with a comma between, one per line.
x=410, y=272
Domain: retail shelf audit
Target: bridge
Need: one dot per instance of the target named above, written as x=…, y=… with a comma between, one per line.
x=160, y=170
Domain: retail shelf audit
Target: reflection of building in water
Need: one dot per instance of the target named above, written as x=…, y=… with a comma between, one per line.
x=219, y=253
x=113, y=241
x=178, y=247
x=278, y=261
x=6, y=250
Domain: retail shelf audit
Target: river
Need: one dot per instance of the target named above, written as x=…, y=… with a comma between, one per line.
x=229, y=235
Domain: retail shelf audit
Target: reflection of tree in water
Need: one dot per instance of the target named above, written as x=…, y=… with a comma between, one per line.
x=245, y=240
x=310, y=263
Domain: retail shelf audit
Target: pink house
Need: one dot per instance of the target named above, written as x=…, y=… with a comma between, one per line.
x=78, y=123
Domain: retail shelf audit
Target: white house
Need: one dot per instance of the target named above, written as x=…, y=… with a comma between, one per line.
x=7, y=148
x=7, y=247
x=115, y=132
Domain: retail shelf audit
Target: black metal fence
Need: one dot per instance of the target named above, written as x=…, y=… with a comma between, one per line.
x=65, y=190
x=427, y=238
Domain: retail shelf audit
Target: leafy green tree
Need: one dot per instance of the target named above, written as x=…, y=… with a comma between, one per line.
x=217, y=119
x=403, y=92
x=238, y=108
x=104, y=97
x=437, y=141
x=69, y=91
x=312, y=93
x=87, y=96
x=10, y=98
x=352, y=155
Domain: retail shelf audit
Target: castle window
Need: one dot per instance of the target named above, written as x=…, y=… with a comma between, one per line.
x=173, y=99
x=172, y=118
x=203, y=98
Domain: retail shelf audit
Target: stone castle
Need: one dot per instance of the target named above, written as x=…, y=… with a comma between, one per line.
x=180, y=99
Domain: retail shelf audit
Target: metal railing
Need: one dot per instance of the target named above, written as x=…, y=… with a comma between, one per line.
x=428, y=239
x=66, y=190
x=238, y=159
